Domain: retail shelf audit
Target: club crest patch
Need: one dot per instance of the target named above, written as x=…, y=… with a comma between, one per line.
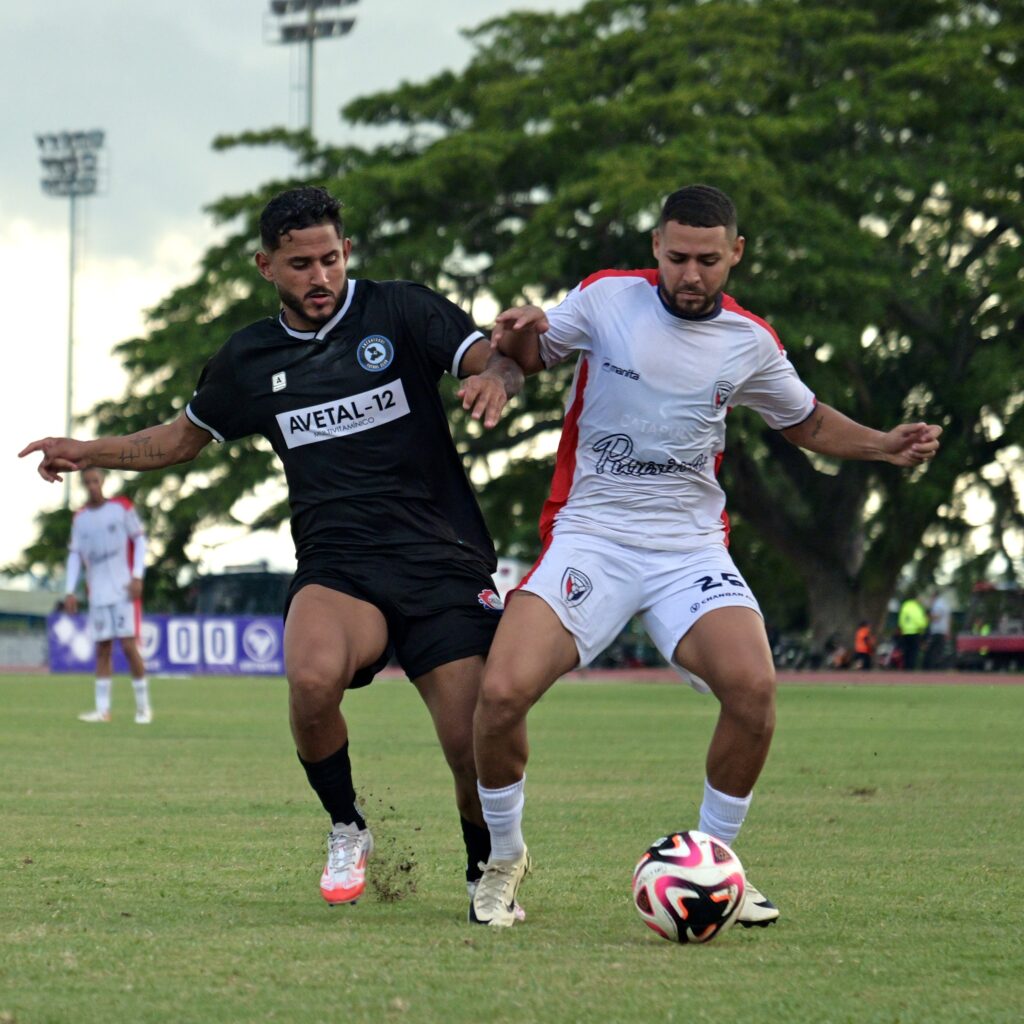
x=375, y=353
x=576, y=586
x=279, y=381
x=491, y=601
x=723, y=389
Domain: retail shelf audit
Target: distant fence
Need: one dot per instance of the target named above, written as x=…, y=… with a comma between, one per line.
x=178, y=645
x=23, y=649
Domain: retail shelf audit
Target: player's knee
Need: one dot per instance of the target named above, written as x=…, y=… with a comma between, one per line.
x=752, y=704
x=502, y=703
x=315, y=689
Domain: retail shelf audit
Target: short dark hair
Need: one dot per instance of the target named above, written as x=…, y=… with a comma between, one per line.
x=298, y=208
x=699, y=206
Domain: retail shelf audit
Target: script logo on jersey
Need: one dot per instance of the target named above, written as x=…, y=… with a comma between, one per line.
x=344, y=416
x=490, y=600
x=576, y=586
x=375, y=353
x=723, y=389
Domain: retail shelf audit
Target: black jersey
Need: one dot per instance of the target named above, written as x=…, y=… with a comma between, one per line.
x=354, y=414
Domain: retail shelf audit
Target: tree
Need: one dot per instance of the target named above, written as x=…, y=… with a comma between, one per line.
x=875, y=150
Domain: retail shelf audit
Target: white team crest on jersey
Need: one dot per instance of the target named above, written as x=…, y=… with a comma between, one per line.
x=576, y=586
x=279, y=381
x=375, y=353
x=723, y=389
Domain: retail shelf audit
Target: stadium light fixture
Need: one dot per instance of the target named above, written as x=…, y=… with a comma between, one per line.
x=306, y=21
x=71, y=169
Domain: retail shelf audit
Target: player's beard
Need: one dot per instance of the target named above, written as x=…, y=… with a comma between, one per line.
x=688, y=304
x=292, y=302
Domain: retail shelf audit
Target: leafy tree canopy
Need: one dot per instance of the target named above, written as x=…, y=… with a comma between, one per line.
x=875, y=151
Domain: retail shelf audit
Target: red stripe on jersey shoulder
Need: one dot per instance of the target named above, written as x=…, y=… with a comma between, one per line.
x=650, y=276
x=565, y=460
x=729, y=303
x=122, y=501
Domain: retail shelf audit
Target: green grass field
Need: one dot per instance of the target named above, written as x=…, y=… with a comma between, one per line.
x=169, y=873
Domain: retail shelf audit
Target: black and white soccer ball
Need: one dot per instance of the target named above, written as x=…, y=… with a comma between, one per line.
x=689, y=887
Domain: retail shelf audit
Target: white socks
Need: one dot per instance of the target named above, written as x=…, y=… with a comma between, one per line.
x=503, y=813
x=103, y=696
x=141, y=688
x=722, y=815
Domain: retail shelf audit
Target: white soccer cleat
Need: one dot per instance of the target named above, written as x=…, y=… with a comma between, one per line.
x=494, y=899
x=344, y=876
x=757, y=911
x=94, y=716
x=144, y=717
x=471, y=888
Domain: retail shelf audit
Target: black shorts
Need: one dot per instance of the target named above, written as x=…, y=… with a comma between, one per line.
x=437, y=609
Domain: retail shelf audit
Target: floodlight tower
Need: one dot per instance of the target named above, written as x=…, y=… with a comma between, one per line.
x=305, y=21
x=71, y=167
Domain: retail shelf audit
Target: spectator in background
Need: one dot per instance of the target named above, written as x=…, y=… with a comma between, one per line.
x=940, y=614
x=864, y=647
x=913, y=623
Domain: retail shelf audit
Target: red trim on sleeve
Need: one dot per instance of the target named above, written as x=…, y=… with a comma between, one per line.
x=651, y=276
x=729, y=303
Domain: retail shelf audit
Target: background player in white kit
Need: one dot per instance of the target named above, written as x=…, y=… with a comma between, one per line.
x=635, y=521
x=107, y=539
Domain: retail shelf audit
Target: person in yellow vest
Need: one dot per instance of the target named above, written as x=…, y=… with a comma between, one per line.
x=913, y=622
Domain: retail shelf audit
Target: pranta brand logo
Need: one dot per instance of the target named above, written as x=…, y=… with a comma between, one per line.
x=576, y=586
x=621, y=371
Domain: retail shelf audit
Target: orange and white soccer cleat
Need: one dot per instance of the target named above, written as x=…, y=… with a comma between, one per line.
x=344, y=877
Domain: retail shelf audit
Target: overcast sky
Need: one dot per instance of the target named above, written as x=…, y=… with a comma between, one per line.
x=161, y=79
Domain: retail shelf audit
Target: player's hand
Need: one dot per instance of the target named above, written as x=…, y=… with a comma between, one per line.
x=135, y=590
x=60, y=455
x=517, y=320
x=910, y=444
x=483, y=397
x=71, y=604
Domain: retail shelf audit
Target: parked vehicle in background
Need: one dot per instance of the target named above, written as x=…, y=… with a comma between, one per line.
x=992, y=636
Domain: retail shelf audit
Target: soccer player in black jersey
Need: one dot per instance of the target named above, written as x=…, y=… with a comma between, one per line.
x=391, y=547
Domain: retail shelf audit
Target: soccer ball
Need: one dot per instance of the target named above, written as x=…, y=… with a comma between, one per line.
x=689, y=887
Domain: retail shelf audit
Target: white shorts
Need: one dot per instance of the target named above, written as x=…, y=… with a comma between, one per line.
x=115, y=620
x=595, y=586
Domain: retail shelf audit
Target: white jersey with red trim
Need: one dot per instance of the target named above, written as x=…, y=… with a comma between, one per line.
x=106, y=538
x=644, y=429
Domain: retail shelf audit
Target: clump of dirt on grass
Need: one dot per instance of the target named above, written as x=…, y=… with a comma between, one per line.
x=391, y=871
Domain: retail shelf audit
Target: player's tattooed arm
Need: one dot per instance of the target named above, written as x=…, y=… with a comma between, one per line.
x=829, y=432
x=164, y=445
x=493, y=379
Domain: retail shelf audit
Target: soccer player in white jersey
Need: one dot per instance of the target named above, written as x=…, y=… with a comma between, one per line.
x=635, y=523
x=108, y=541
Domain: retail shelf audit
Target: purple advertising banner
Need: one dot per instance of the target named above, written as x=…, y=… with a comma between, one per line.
x=178, y=645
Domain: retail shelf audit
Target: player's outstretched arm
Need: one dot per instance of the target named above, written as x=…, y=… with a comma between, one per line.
x=517, y=334
x=164, y=445
x=492, y=380
x=829, y=432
